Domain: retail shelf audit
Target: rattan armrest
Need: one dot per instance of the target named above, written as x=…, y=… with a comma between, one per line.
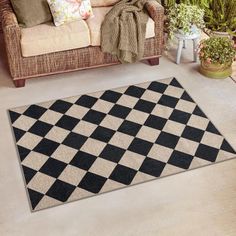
x=155, y=10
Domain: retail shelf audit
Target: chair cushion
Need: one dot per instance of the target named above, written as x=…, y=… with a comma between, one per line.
x=47, y=38
x=31, y=12
x=103, y=3
x=95, y=23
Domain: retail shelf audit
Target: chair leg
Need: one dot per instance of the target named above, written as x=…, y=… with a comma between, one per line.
x=19, y=83
x=181, y=44
x=195, y=45
x=153, y=61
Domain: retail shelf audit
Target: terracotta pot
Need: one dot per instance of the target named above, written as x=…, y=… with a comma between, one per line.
x=216, y=70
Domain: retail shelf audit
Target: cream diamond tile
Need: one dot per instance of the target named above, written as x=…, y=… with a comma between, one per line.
x=64, y=153
x=29, y=141
x=137, y=116
x=46, y=202
x=198, y=122
x=84, y=128
x=173, y=127
x=143, y=85
x=97, y=94
x=24, y=122
x=102, y=167
x=111, y=185
x=79, y=193
x=213, y=140
x=160, y=153
x=51, y=117
x=121, y=89
x=198, y=162
x=111, y=122
x=141, y=177
x=174, y=91
x=151, y=96
x=41, y=182
x=20, y=110
x=162, y=111
x=77, y=111
x=35, y=160
x=128, y=101
x=71, y=99
x=46, y=104
x=148, y=134
x=223, y=155
x=103, y=106
x=72, y=175
x=93, y=146
x=57, y=134
x=132, y=160
x=170, y=170
x=166, y=81
x=186, y=106
x=121, y=140
x=187, y=146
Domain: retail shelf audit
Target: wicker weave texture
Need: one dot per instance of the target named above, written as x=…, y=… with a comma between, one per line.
x=77, y=59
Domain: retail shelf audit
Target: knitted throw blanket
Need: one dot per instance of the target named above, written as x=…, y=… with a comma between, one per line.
x=123, y=30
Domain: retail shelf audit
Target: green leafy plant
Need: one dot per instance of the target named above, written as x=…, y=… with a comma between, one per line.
x=221, y=15
x=183, y=17
x=217, y=50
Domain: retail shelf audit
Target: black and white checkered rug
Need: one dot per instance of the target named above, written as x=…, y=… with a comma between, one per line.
x=81, y=146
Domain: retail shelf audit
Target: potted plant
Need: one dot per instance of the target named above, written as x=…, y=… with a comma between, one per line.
x=184, y=19
x=216, y=55
x=220, y=17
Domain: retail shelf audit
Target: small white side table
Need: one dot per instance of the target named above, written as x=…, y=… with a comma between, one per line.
x=195, y=37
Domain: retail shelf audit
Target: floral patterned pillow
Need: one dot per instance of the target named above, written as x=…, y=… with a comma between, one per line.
x=65, y=11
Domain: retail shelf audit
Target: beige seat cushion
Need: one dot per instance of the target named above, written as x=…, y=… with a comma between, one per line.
x=95, y=25
x=46, y=38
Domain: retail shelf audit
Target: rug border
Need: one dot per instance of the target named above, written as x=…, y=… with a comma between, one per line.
x=121, y=188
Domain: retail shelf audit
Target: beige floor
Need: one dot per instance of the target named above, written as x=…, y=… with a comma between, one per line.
x=197, y=203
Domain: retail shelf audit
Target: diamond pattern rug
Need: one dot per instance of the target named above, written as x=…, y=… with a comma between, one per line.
x=82, y=146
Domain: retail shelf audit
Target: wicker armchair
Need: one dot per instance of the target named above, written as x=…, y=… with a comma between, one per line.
x=22, y=68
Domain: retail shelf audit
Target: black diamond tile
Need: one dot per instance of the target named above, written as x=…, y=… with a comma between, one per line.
x=60, y=190
x=94, y=117
x=145, y=106
x=140, y=146
x=207, y=153
x=75, y=140
x=35, y=197
x=168, y=101
x=61, y=106
x=211, y=128
x=226, y=147
x=46, y=147
x=152, y=167
x=40, y=128
x=197, y=111
x=157, y=87
x=103, y=134
x=18, y=133
x=83, y=160
x=35, y=111
x=129, y=128
x=123, y=174
x=135, y=91
x=112, y=153
x=120, y=111
x=175, y=83
x=111, y=96
x=53, y=167
x=167, y=140
x=13, y=116
x=86, y=101
x=155, y=122
x=92, y=182
x=23, y=152
x=180, y=159
x=28, y=173
x=186, y=97
x=193, y=134
x=180, y=116
x=67, y=122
